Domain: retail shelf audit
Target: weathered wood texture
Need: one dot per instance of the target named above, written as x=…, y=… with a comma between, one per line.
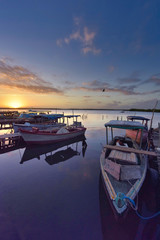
x=112, y=168
x=124, y=149
x=123, y=156
x=130, y=172
x=122, y=172
x=10, y=135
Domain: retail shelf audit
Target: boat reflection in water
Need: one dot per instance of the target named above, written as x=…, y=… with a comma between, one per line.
x=52, y=157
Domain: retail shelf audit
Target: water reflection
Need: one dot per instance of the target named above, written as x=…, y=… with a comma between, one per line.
x=52, y=157
x=11, y=145
x=65, y=201
x=131, y=227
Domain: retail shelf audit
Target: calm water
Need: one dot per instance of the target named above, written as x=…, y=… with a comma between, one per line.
x=55, y=191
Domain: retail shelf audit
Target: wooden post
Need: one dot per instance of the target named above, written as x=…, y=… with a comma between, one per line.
x=112, y=133
x=106, y=135
x=141, y=138
x=153, y=114
x=137, y=135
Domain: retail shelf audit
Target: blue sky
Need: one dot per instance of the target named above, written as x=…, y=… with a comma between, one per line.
x=63, y=53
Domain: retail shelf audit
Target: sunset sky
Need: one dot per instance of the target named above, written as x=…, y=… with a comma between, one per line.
x=63, y=54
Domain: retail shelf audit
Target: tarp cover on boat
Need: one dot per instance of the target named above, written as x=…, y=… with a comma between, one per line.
x=52, y=116
x=124, y=124
x=137, y=118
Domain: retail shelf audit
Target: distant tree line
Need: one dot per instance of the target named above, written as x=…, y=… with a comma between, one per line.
x=144, y=110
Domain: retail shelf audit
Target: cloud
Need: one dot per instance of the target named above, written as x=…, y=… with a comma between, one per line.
x=83, y=35
x=114, y=104
x=21, y=78
x=69, y=83
x=105, y=88
x=123, y=91
x=96, y=83
x=133, y=78
x=77, y=20
x=148, y=104
x=93, y=50
x=59, y=42
x=74, y=36
x=98, y=86
x=87, y=97
x=129, y=80
x=88, y=36
x=154, y=79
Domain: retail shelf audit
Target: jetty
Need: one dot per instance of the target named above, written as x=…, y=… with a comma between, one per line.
x=10, y=141
x=8, y=114
x=8, y=123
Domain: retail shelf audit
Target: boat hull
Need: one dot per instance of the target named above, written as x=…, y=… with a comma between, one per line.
x=42, y=137
x=28, y=127
x=113, y=187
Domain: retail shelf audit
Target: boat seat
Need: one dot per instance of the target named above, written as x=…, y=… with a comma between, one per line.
x=122, y=172
x=112, y=168
x=123, y=157
x=130, y=172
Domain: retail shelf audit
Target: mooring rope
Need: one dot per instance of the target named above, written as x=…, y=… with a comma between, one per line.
x=138, y=214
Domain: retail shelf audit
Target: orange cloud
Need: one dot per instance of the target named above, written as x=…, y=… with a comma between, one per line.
x=84, y=36
x=23, y=79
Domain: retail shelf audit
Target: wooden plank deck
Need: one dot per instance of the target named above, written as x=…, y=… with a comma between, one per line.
x=131, y=150
x=10, y=135
x=9, y=139
x=123, y=156
x=9, y=142
x=8, y=123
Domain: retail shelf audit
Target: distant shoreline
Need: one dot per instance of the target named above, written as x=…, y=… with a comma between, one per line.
x=89, y=109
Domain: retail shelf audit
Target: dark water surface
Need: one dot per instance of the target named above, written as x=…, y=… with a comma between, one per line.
x=55, y=191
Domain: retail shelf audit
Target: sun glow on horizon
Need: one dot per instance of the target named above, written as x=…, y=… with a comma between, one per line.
x=14, y=104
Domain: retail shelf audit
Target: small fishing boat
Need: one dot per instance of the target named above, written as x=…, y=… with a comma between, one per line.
x=36, y=136
x=29, y=126
x=136, y=134
x=41, y=121
x=123, y=165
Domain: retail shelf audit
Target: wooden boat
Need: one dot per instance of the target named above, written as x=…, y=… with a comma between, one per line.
x=42, y=121
x=29, y=126
x=136, y=134
x=36, y=136
x=123, y=166
x=46, y=121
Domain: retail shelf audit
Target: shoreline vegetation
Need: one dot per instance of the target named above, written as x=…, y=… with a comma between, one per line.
x=88, y=109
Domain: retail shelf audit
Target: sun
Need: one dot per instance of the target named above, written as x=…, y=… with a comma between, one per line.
x=15, y=104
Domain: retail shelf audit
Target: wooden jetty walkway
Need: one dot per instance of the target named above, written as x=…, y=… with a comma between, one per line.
x=9, y=140
x=8, y=123
x=8, y=114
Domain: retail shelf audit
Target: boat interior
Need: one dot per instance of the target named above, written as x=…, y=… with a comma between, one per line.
x=129, y=172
